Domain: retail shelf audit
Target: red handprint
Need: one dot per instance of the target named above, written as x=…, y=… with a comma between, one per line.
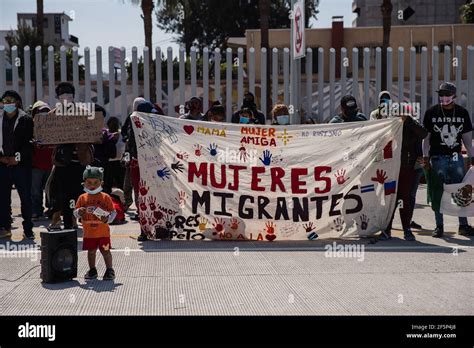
x=340, y=176
x=197, y=150
x=143, y=188
x=152, y=203
x=181, y=199
x=143, y=220
x=149, y=217
x=182, y=155
x=137, y=121
x=381, y=176
x=142, y=203
x=270, y=227
x=234, y=224
x=309, y=227
x=158, y=215
x=218, y=225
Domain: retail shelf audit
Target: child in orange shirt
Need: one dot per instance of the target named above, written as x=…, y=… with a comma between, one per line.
x=96, y=211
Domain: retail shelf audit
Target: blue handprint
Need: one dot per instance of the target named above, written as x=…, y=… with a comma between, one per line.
x=163, y=173
x=212, y=149
x=267, y=158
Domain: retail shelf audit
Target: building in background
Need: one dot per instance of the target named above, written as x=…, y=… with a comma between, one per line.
x=56, y=28
x=419, y=12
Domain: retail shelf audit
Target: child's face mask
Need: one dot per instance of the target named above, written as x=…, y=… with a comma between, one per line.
x=93, y=192
x=283, y=119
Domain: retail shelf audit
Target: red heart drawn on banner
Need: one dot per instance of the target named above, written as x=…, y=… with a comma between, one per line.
x=188, y=129
x=270, y=237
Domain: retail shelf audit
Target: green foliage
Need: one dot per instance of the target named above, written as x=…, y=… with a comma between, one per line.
x=210, y=23
x=467, y=13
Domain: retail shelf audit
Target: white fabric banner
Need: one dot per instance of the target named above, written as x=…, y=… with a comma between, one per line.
x=205, y=180
x=457, y=198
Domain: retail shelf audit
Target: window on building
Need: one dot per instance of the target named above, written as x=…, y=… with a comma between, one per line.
x=443, y=44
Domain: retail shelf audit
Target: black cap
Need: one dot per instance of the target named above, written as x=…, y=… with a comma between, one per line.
x=447, y=87
x=349, y=102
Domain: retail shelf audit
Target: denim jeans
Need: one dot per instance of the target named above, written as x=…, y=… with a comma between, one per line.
x=20, y=175
x=39, y=178
x=450, y=170
x=416, y=181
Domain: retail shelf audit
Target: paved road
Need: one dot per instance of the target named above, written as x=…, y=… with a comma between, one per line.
x=429, y=276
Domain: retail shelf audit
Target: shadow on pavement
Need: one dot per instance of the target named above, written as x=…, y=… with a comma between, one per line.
x=94, y=285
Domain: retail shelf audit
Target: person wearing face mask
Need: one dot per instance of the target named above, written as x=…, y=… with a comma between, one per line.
x=349, y=111
x=195, y=110
x=384, y=104
x=16, y=153
x=42, y=166
x=95, y=210
x=280, y=115
x=449, y=126
x=249, y=103
x=246, y=116
x=216, y=113
x=69, y=161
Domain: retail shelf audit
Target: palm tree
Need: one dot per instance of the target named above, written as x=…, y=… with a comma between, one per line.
x=39, y=19
x=264, y=6
x=387, y=23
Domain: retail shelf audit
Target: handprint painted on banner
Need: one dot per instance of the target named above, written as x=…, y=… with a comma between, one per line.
x=181, y=199
x=234, y=224
x=340, y=176
x=142, y=219
x=152, y=203
x=143, y=188
x=197, y=150
x=169, y=222
x=270, y=230
x=212, y=148
x=364, y=222
x=218, y=225
x=202, y=223
x=137, y=121
x=338, y=224
x=163, y=173
x=309, y=231
x=381, y=176
x=182, y=155
x=158, y=215
x=142, y=203
x=267, y=158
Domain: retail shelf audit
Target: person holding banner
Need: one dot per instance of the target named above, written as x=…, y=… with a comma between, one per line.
x=449, y=126
x=413, y=132
x=280, y=115
x=249, y=103
x=195, y=110
x=16, y=154
x=349, y=111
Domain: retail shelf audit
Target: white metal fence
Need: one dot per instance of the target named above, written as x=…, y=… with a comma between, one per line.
x=311, y=95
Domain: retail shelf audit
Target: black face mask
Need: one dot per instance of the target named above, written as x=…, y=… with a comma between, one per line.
x=351, y=112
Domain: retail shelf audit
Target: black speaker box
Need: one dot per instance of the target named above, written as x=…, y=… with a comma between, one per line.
x=58, y=256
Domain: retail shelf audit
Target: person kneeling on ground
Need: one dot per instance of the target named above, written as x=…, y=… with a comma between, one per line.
x=96, y=211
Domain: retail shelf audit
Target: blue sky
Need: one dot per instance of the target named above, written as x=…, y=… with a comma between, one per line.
x=118, y=23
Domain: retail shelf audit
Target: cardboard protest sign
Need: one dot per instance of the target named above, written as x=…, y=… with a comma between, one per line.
x=205, y=180
x=65, y=129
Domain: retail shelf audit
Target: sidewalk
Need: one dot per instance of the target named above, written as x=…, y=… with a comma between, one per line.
x=426, y=277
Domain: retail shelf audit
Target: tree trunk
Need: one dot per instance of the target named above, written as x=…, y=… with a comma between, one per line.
x=264, y=6
x=147, y=9
x=39, y=20
x=387, y=22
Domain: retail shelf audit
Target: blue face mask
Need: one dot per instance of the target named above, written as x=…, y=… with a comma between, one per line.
x=9, y=108
x=244, y=119
x=93, y=192
x=283, y=119
x=385, y=101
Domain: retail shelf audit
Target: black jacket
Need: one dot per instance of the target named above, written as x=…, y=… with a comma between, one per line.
x=413, y=133
x=22, y=138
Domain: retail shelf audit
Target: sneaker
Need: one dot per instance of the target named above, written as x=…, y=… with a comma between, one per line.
x=142, y=237
x=135, y=217
x=109, y=274
x=91, y=274
x=438, y=232
x=28, y=235
x=5, y=233
x=466, y=230
x=386, y=235
x=408, y=236
x=415, y=225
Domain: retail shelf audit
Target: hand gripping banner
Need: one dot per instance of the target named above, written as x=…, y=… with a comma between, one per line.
x=205, y=180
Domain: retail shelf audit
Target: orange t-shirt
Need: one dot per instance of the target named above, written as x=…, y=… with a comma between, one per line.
x=91, y=224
